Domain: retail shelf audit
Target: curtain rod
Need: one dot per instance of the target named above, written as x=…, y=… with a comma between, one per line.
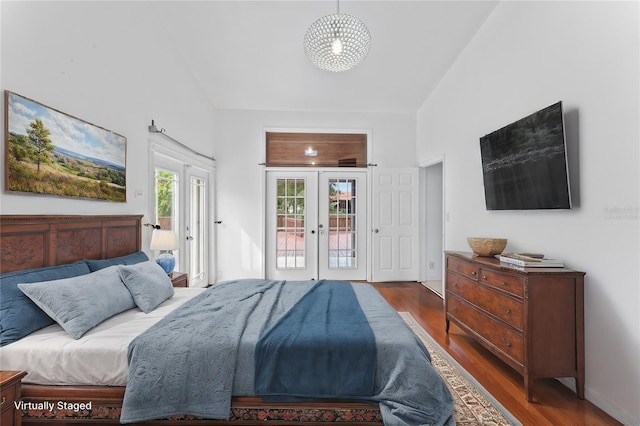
x=154, y=129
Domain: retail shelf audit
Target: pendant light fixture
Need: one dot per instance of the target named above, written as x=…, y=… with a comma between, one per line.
x=337, y=42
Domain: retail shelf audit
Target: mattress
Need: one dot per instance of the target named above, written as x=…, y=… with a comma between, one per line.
x=99, y=358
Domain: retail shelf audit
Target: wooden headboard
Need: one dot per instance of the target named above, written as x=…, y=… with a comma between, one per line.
x=33, y=241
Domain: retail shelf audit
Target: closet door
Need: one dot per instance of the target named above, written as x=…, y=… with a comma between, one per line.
x=395, y=228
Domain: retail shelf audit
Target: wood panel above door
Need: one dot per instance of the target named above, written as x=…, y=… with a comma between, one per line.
x=316, y=149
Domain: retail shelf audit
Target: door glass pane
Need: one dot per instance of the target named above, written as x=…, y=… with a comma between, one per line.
x=342, y=224
x=290, y=229
x=166, y=200
x=197, y=231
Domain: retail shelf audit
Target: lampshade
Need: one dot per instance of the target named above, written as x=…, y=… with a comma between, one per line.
x=337, y=42
x=163, y=239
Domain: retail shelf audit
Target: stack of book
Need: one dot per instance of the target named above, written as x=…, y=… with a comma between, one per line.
x=529, y=260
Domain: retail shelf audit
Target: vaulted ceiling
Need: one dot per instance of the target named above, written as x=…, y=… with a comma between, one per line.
x=249, y=54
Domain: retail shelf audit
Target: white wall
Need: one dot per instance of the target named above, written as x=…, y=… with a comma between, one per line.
x=529, y=55
x=240, y=148
x=100, y=62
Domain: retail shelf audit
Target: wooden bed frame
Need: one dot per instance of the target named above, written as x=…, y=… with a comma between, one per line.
x=32, y=241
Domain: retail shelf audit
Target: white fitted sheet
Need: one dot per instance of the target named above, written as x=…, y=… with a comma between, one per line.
x=52, y=357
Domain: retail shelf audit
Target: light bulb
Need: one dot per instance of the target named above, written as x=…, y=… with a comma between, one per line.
x=336, y=46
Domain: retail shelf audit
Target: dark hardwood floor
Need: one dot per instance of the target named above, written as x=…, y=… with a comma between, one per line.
x=554, y=404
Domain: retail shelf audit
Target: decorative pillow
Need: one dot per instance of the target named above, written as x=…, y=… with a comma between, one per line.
x=80, y=303
x=129, y=259
x=148, y=283
x=19, y=316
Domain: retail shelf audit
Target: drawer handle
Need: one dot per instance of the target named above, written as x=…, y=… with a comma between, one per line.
x=4, y=399
x=506, y=343
x=504, y=283
x=506, y=310
x=474, y=273
x=484, y=277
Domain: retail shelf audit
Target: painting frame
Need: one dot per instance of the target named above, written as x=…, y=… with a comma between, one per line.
x=49, y=152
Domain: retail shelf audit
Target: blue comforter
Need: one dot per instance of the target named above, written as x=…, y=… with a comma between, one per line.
x=192, y=361
x=323, y=347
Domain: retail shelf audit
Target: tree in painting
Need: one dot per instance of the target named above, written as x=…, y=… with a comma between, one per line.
x=39, y=138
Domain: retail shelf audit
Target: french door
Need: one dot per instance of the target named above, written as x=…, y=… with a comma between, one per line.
x=316, y=225
x=182, y=202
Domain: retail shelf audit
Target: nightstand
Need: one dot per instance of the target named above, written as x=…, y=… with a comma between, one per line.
x=179, y=279
x=10, y=392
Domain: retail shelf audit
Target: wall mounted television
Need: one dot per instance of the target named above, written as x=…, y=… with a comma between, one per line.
x=524, y=164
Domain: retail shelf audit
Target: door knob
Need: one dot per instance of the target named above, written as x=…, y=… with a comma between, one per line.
x=376, y=231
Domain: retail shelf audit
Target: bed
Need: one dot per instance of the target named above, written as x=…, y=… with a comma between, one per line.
x=29, y=242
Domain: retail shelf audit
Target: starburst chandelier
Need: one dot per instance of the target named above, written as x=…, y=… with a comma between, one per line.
x=337, y=42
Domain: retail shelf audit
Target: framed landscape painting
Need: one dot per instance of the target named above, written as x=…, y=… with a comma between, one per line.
x=50, y=152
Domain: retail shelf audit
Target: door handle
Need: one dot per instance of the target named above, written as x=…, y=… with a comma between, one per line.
x=189, y=238
x=375, y=231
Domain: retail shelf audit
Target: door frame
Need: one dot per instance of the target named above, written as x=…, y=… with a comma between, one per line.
x=425, y=224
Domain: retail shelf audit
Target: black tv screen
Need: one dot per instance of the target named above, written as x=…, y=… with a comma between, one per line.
x=524, y=164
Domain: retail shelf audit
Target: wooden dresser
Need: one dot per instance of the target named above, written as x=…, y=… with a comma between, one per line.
x=531, y=318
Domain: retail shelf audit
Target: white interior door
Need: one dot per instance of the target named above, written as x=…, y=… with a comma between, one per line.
x=395, y=225
x=316, y=225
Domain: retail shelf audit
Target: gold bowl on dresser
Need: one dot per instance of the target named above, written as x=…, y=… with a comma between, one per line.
x=487, y=246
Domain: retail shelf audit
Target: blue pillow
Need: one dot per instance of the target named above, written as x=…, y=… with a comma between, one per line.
x=129, y=259
x=19, y=316
x=148, y=283
x=80, y=303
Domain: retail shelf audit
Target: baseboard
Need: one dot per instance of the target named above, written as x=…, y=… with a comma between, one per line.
x=596, y=399
x=433, y=285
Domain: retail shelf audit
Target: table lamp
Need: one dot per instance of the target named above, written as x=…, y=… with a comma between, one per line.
x=165, y=241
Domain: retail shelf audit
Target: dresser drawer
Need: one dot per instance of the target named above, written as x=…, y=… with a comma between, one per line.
x=462, y=267
x=503, y=307
x=502, y=337
x=7, y=396
x=511, y=284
